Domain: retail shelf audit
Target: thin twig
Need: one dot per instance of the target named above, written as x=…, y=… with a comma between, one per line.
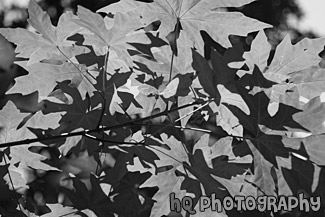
x=201, y=130
x=188, y=114
x=133, y=143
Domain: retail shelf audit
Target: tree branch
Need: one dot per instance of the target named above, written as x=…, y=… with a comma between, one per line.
x=96, y=130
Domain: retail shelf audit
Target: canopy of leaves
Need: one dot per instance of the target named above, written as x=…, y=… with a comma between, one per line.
x=112, y=102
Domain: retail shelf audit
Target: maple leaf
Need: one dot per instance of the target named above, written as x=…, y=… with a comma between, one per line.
x=228, y=169
x=253, y=124
x=49, y=74
x=109, y=87
x=259, y=52
x=290, y=58
x=225, y=66
x=262, y=178
x=8, y=203
x=296, y=173
x=168, y=160
x=113, y=38
x=309, y=82
x=292, y=66
x=162, y=62
x=94, y=199
x=146, y=96
x=79, y=113
x=10, y=118
x=191, y=16
x=205, y=75
x=203, y=173
x=59, y=210
x=50, y=42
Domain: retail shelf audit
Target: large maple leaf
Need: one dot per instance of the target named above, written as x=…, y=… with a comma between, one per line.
x=49, y=74
x=48, y=51
x=191, y=16
x=10, y=118
x=162, y=62
x=111, y=34
x=293, y=67
x=50, y=42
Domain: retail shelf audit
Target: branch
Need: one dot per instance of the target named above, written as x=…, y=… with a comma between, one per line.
x=96, y=130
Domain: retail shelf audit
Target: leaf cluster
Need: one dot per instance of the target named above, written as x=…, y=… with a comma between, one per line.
x=120, y=108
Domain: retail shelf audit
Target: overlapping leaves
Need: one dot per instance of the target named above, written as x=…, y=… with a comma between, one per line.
x=115, y=74
x=50, y=42
x=191, y=16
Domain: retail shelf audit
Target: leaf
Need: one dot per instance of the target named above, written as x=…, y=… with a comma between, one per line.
x=223, y=73
x=50, y=43
x=307, y=84
x=205, y=75
x=121, y=91
x=203, y=173
x=167, y=182
x=43, y=73
x=161, y=64
x=234, y=99
x=112, y=39
x=10, y=117
x=59, y=210
x=28, y=159
x=262, y=173
x=176, y=151
x=313, y=110
x=302, y=176
x=7, y=197
x=253, y=125
x=259, y=53
x=78, y=114
x=170, y=89
x=290, y=58
x=293, y=66
x=227, y=120
x=228, y=169
x=16, y=180
x=146, y=156
x=94, y=199
x=194, y=15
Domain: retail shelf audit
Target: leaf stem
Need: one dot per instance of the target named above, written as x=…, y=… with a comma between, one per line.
x=12, y=184
x=77, y=67
x=103, y=90
x=171, y=67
